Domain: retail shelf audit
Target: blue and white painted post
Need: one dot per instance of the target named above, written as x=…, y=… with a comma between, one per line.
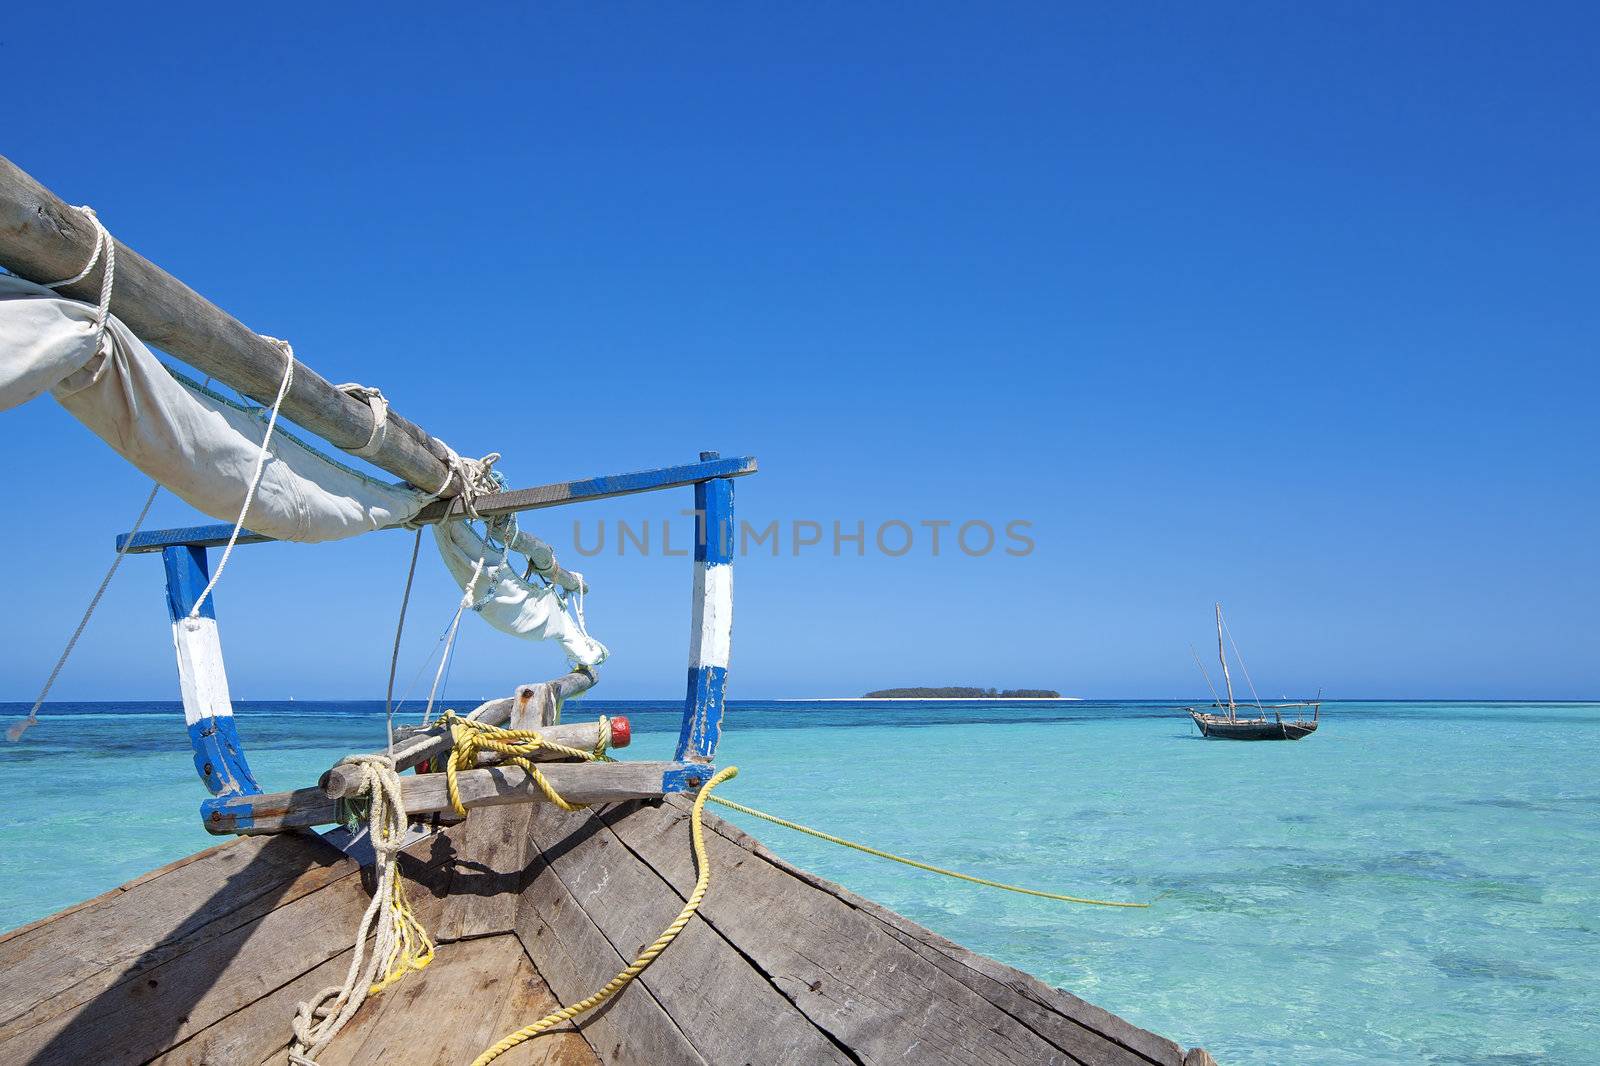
x=711, y=629
x=207, y=708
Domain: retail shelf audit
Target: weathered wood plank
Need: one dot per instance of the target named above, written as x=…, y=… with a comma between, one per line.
x=527, y=1000
x=137, y=1019
x=59, y=964
x=1026, y=997
x=839, y=966
x=189, y=983
x=575, y=958
x=258, y=1031
x=713, y=990
x=590, y=782
x=444, y=1014
x=488, y=865
x=43, y=239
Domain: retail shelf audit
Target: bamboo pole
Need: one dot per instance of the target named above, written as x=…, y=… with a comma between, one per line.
x=44, y=239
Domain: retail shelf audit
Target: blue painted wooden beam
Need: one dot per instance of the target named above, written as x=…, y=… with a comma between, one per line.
x=711, y=630
x=555, y=495
x=202, y=681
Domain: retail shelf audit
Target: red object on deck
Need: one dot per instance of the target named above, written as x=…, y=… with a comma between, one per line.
x=621, y=732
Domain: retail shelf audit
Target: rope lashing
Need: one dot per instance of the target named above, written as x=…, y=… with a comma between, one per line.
x=702, y=882
x=373, y=398
x=477, y=477
x=470, y=737
x=400, y=943
x=820, y=835
x=255, y=478
x=104, y=245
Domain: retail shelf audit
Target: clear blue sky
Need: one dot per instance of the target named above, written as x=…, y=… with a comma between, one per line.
x=1287, y=305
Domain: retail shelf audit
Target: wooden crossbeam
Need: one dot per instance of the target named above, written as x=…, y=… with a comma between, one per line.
x=498, y=503
x=576, y=782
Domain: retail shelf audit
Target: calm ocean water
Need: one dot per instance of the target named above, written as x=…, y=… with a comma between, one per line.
x=1416, y=883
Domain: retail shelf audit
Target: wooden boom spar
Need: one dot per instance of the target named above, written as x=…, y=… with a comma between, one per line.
x=44, y=239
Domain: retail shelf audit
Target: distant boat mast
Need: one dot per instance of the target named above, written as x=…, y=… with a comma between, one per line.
x=1223, y=655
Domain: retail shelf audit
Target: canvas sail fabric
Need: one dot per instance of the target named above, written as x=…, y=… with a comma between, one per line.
x=496, y=591
x=194, y=443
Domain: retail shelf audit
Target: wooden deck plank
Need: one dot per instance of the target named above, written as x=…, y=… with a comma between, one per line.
x=840, y=967
x=260, y=1031
x=137, y=1019
x=491, y=854
x=526, y=1001
x=1019, y=993
x=447, y=1013
x=57, y=966
x=188, y=983
x=575, y=958
x=713, y=990
x=148, y=875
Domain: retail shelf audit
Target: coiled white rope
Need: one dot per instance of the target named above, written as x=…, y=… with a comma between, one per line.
x=255, y=479
x=399, y=942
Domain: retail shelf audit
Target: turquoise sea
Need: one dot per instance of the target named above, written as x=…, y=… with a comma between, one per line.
x=1415, y=883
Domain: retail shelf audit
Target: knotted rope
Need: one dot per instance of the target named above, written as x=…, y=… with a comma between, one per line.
x=400, y=944
x=477, y=477
x=469, y=737
x=648, y=955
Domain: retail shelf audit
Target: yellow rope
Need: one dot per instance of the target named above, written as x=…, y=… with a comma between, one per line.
x=413, y=948
x=820, y=835
x=470, y=737
x=648, y=955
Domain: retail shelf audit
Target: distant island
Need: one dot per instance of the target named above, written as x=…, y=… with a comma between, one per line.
x=958, y=692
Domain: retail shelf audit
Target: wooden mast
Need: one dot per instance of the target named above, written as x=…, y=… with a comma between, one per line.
x=43, y=239
x=1222, y=655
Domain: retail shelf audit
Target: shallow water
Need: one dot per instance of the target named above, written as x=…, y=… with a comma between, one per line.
x=1415, y=883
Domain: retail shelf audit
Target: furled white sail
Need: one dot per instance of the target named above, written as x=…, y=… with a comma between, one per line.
x=512, y=605
x=193, y=442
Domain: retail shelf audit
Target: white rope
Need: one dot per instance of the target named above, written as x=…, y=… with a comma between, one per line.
x=318, y=1020
x=380, y=417
x=399, y=628
x=106, y=246
x=450, y=639
x=255, y=479
x=477, y=477
x=14, y=734
x=1234, y=644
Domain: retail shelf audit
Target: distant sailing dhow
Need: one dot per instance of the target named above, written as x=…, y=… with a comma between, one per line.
x=1225, y=723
